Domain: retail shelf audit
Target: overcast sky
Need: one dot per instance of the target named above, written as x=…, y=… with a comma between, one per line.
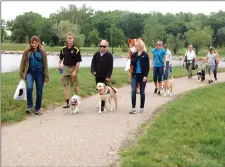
x=10, y=9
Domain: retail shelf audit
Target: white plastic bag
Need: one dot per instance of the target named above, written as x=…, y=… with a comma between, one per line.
x=21, y=92
x=127, y=65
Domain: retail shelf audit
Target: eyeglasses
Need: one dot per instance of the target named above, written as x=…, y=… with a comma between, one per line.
x=102, y=46
x=159, y=44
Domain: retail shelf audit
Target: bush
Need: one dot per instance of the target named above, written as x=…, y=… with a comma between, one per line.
x=124, y=48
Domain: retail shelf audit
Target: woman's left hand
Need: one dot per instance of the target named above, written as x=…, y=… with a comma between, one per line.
x=144, y=79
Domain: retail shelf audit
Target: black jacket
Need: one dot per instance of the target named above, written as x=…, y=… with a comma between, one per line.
x=144, y=61
x=102, y=65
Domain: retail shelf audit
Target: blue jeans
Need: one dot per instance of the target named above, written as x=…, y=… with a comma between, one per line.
x=157, y=74
x=36, y=76
x=168, y=69
x=138, y=78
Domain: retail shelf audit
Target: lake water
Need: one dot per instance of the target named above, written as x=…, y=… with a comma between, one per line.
x=11, y=62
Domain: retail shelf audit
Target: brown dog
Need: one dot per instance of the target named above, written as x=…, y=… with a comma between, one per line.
x=167, y=85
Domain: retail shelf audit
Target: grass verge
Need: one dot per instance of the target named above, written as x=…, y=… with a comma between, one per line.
x=186, y=132
x=13, y=110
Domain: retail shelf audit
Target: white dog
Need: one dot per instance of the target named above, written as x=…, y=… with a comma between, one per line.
x=106, y=93
x=74, y=104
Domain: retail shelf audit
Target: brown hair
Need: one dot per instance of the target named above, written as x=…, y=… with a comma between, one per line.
x=37, y=39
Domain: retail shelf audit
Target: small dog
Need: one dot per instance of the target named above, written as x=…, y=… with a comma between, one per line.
x=167, y=85
x=201, y=75
x=74, y=104
x=106, y=93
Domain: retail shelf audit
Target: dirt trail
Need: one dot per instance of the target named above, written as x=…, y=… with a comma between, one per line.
x=57, y=138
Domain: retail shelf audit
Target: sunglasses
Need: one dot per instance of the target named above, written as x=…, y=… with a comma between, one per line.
x=158, y=44
x=102, y=46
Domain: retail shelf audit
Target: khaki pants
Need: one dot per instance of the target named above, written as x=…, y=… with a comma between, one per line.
x=67, y=78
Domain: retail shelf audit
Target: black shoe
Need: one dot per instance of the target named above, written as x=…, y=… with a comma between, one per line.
x=102, y=108
x=66, y=106
x=159, y=93
x=215, y=79
x=155, y=90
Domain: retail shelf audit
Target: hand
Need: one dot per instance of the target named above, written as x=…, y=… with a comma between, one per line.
x=107, y=79
x=74, y=74
x=94, y=73
x=144, y=79
x=59, y=66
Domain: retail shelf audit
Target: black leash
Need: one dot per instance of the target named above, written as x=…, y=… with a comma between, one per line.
x=107, y=84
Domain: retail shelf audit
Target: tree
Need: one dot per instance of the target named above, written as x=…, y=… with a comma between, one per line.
x=153, y=31
x=24, y=26
x=64, y=27
x=220, y=36
x=3, y=33
x=94, y=37
x=175, y=42
x=115, y=36
x=199, y=37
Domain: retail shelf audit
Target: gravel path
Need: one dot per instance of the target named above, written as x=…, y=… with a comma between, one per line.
x=57, y=138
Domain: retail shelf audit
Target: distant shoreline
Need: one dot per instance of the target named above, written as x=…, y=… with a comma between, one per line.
x=90, y=55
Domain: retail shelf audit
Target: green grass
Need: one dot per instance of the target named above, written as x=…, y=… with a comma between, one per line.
x=188, y=132
x=92, y=50
x=13, y=110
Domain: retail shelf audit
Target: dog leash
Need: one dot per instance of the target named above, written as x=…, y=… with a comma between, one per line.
x=107, y=83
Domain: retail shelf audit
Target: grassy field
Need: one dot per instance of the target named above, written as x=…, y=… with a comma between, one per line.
x=188, y=132
x=13, y=110
x=92, y=50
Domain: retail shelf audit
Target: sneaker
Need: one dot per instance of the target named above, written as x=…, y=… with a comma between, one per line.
x=29, y=110
x=37, y=112
x=155, y=90
x=133, y=111
x=141, y=110
x=159, y=93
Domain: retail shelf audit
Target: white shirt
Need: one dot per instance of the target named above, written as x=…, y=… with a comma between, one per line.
x=190, y=55
x=168, y=55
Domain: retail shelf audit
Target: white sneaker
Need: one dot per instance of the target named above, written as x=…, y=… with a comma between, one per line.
x=133, y=111
x=141, y=110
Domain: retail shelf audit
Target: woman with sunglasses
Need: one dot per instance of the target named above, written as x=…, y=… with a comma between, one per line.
x=140, y=63
x=102, y=65
x=158, y=64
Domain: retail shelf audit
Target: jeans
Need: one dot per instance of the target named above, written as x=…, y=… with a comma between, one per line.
x=36, y=76
x=168, y=69
x=138, y=78
x=157, y=74
x=102, y=80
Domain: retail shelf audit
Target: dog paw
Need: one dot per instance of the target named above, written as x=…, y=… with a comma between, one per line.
x=165, y=95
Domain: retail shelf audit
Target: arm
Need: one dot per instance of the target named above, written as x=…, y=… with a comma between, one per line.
x=217, y=58
x=93, y=68
x=22, y=66
x=147, y=65
x=46, y=67
x=206, y=59
x=171, y=57
x=110, y=70
x=61, y=56
x=78, y=61
x=152, y=60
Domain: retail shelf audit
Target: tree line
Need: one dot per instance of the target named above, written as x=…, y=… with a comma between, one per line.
x=89, y=26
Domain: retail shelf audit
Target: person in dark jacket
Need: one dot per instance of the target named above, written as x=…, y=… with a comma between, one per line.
x=102, y=65
x=140, y=63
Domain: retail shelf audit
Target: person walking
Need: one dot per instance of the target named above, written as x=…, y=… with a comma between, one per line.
x=34, y=68
x=71, y=57
x=102, y=65
x=159, y=65
x=190, y=59
x=140, y=63
x=212, y=59
x=168, y=62
x=217, y=63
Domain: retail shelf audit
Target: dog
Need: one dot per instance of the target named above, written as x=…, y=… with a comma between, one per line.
x=74, y=104
x=167, y=85
x=106, y=93
x=201, y=75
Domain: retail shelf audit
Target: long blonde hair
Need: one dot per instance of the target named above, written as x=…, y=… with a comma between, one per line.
x=142, y=44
